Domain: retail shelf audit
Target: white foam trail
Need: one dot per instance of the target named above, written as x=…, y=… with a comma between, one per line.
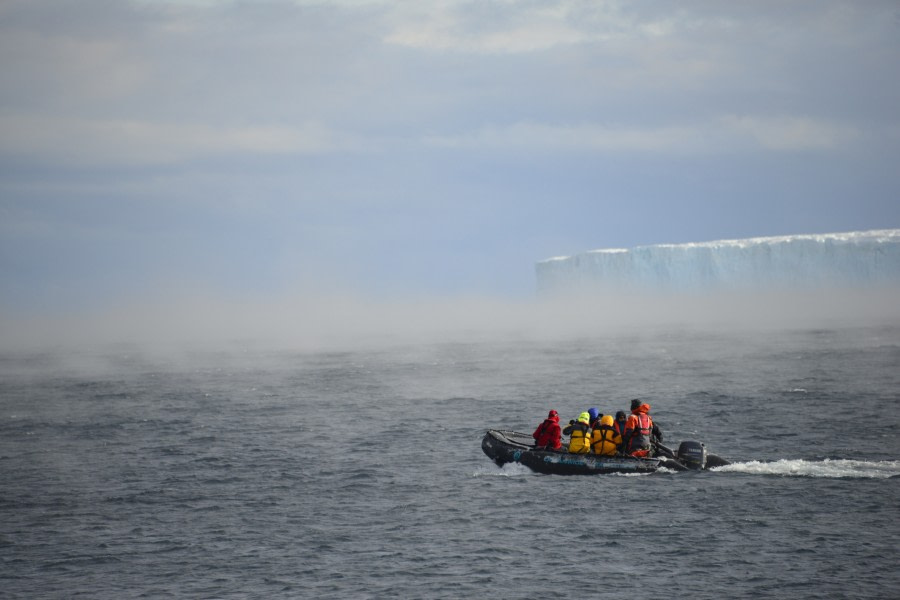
x=824, y=468
x=508, y=470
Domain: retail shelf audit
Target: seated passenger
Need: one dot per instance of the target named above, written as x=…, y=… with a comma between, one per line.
x=547, y=434
x=604, y=439
x=639, y=430
x=595, y=415
x=619, y=426
x=579, y=434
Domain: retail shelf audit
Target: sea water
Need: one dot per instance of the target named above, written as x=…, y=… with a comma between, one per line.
x=244, y=471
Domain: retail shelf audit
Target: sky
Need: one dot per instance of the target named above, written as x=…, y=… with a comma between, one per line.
x=318, y=155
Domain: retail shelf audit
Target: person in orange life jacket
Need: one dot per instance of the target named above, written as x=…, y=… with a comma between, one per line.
x=604, y=439
x=579, y=433
x=619, y=425
x=656, y=433
x=547, y=435
x=640, y=430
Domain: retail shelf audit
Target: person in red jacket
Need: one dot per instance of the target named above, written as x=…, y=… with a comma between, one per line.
x=547, y=436
x=640, y=430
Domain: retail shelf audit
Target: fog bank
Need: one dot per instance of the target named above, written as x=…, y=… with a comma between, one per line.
x=304, y=322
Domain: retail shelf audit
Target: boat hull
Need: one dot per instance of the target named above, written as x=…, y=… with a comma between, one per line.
x=513, y=447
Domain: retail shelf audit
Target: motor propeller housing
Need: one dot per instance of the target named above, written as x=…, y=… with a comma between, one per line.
x=692, y=454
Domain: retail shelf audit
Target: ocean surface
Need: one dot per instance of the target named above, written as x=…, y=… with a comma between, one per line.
x=243, y=471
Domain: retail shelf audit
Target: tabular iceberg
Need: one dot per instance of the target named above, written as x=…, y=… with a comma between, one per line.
x=854, y=259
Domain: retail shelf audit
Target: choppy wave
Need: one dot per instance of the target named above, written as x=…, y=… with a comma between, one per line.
x=825, y=468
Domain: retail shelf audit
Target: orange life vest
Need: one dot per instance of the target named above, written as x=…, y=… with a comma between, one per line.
x=640, y=432
x=644, y=425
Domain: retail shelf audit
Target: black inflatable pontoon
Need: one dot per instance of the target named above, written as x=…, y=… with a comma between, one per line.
x=511, y=446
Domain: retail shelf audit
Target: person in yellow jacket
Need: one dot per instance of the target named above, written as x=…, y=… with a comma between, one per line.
x=605, y=439
x=579, y=433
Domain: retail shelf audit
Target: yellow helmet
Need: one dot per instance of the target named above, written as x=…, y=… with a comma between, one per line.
x=584, y=418
x=606, y=420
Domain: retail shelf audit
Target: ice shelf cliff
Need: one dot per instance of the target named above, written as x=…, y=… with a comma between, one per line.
x=856, y=259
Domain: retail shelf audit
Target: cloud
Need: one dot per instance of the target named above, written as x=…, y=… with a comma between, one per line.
x=723, y=134
x=791, y=133
x=82, y=141
x=516, y=27
x=148, y=84
x=441, y=31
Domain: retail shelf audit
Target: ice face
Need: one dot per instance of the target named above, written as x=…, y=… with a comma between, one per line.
x=861, y=258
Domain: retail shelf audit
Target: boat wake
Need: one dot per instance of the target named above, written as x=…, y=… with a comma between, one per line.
x=851, y=469
x=508, y=470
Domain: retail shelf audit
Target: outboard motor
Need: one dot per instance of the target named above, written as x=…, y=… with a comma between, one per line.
x=692, y=454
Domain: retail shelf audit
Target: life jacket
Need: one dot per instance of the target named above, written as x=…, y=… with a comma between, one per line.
x=640, y=432
x=605, y=440
x=579, y=438
x=644, y=424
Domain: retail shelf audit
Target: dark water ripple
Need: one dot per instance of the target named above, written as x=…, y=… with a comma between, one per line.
x=236, y=474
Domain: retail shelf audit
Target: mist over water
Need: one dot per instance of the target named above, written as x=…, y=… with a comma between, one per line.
x=345, y=321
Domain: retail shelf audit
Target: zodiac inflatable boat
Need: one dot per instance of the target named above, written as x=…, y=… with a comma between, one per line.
x=514, y=447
